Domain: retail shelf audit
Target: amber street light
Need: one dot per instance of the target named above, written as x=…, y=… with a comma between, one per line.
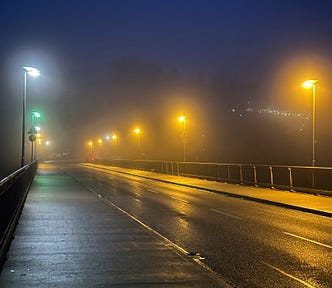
x=137, y=131
x=312, y=84
x=184, y=132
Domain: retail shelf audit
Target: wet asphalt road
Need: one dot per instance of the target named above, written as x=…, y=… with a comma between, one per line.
x=249, y=244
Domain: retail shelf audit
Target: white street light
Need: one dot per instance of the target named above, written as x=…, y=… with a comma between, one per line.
x=31, y=72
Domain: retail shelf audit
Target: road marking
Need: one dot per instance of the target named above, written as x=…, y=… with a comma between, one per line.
x=309, y=240
x=224, y=213
x=155, y=192
x=288, y=275
x=179, y=199
x=168, y=241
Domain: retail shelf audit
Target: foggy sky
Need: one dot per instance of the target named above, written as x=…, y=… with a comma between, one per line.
x=111, y=65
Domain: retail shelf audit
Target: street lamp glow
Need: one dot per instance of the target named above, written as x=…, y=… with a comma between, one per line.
x=100, y=141
x=182, y=119
x=90, y=143
x=36, y=114
x=114, y=137
x=31, y=71
x=107, y=138
x=137, y=131
x=37, y=128
x=309, y=83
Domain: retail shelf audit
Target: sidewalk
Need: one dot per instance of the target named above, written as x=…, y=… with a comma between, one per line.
x=68, y=237
x=320, y=205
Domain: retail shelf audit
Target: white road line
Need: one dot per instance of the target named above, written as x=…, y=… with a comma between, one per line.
x=179, y=199
x=288, y=275
x=168, y=241
x=224, y=213
x=155, y=192
x=309, y=240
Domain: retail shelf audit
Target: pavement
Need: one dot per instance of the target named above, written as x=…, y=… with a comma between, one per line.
x=311, y=203
x=68, y=236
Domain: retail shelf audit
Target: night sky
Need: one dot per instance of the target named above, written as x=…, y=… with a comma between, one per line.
x=108, y=66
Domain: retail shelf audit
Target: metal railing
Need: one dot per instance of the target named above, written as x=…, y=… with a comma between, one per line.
x=316, y=180
x=13, y=191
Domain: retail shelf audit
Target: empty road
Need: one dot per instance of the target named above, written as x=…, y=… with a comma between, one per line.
x=250, y=244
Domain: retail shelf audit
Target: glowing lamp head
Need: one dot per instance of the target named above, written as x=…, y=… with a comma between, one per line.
x=36, y=114
x=37, y=128
x=31, y=71
x=100, y=141
x=182, y=119
x=114, y=137
x=309, y=83
x=90, y=143
x=137, y=131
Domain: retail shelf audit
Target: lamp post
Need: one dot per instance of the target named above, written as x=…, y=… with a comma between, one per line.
x=31, y=72
x=137, y=131
x=312, y=84
x=114, y=142
x=184, y=135
x=34, y=115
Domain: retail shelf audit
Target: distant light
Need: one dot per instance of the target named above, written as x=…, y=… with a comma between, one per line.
x=37, y=128
x=309, y=83
x=182, y=119
x=100, y=141
x=47, y=143
x=31, y=71
x=90, y=143
x=114, y=137
x=107, y=138
x=137, y=131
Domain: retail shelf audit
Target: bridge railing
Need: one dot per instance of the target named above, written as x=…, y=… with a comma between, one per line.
x=317, y=180
x=13, y=191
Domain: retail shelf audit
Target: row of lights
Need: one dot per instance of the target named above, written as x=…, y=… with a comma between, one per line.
x=138, y=132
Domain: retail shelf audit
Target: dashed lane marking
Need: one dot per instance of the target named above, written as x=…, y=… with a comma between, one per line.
x=288, y=275
x=227, y=214
x=179, y=199
x=308, y=240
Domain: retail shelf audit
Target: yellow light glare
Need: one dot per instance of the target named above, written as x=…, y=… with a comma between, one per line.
x=114, y=137
x=182, y=118
x=137, y=131
x=90, y=143
x=100, y=141
x=309, y=83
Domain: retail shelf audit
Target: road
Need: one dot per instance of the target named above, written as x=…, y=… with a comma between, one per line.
x=249, y=244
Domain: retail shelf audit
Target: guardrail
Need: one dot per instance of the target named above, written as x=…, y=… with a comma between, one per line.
x=316, y=180
x=13, y=192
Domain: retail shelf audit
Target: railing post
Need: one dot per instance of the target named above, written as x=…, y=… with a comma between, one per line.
x=177, y=164
x=255, y=176
x=241, y=175
x=271, y=177
x=290, y=179
x=228, y=174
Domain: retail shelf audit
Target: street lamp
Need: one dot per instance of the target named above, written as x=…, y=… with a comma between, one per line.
x=31, y=72
x=312, y=84
x=184, y=135
x=137, y=131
